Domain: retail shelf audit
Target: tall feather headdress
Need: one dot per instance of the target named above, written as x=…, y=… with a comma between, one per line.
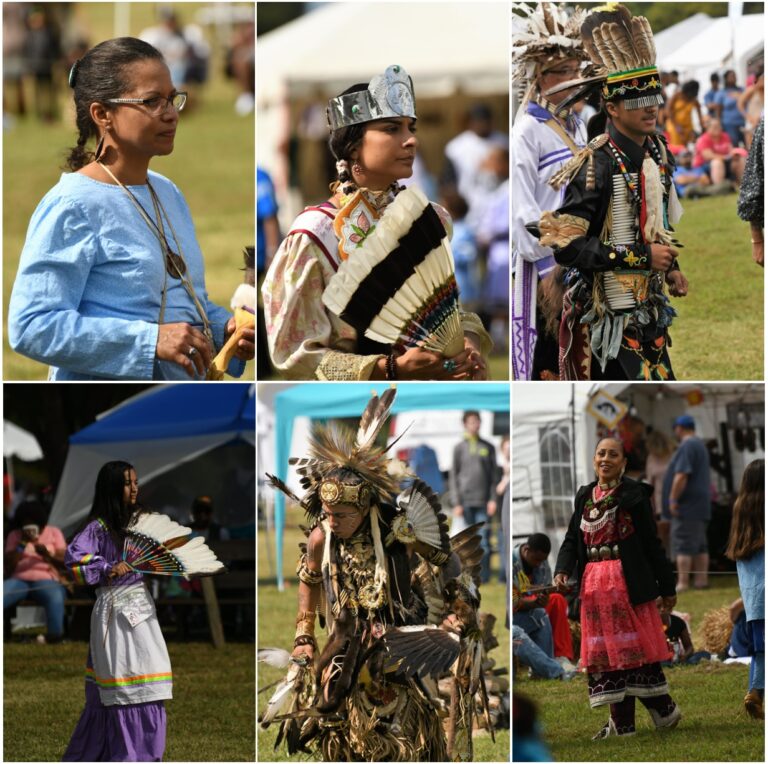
x=333, y=447
x=543, y=35
x=621, y=48
x=399, y=286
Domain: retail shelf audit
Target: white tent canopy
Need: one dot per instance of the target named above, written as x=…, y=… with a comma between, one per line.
x=442, y=45
x=697, y=46
x=20, y=443
x=156, y=431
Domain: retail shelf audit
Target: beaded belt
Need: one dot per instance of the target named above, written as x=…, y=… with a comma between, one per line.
x=603, y=552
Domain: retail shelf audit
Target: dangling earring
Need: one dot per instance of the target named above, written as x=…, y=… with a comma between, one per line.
x=99, y=149
x=356, y=167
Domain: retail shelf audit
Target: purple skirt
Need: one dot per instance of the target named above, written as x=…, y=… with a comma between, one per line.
x=117, y=733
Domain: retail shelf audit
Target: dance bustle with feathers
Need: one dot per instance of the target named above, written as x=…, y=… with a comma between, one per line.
x=157, y=545
x=399, y=288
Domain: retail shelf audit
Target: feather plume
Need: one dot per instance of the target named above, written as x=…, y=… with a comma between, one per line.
x=623, y=50
x=373, y=418
x=157, y=545
x=604, y=48
x=285, y=699
x=413, y=292
x=649, y=41
x=274, y=656
x=654, y=199
x=275, y=482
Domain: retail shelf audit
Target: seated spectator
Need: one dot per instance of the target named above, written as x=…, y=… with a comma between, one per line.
x=541, y=665
x=689, y=181
x=34, y=555
x=544, y=617
x=717, y=156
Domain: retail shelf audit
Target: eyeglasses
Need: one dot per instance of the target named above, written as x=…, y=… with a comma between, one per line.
x=156, y=105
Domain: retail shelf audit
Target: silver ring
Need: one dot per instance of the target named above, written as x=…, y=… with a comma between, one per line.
x=192, y=351
x=449, y=364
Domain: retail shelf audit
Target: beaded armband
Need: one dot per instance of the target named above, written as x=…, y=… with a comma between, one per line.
x=305, y=625
x=309, y=577
x=436, y=557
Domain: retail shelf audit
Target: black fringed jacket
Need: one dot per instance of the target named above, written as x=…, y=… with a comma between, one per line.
x=647, y=570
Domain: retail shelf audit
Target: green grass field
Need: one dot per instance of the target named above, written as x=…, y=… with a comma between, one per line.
x=718, y=333
x=714, y=726
x=210, y=718
x=213, y=163
x=277, y=615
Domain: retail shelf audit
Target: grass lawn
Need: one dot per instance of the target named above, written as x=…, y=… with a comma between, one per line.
x=277, y=615
x=210, y=718
x=719, y=329
x=714, y=725
x=212, y=163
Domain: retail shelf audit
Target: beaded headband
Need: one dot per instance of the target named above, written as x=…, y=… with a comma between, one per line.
x=333, y=491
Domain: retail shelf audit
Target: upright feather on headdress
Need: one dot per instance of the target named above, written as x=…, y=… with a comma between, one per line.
x=616, y=41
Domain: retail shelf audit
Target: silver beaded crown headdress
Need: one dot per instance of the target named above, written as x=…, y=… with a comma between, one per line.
x=388, y=95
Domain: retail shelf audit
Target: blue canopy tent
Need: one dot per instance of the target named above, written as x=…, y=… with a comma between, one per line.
x=156, y=431
x=348, y=399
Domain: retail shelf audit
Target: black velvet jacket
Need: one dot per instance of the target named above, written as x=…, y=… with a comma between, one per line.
x=588, y=253
x=647, y=570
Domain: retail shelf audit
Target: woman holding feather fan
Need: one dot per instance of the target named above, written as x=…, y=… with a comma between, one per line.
x=400, y=601
x=128, y=673
x=363, y=285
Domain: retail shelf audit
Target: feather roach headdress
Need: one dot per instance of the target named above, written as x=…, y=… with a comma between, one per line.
x=158, y=545
x=332, y=448
x=398, y=287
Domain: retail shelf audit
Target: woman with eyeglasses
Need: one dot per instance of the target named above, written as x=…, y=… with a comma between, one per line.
x=111, y=282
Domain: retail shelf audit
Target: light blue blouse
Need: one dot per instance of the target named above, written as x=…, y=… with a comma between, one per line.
x=752, y=584
x=87, y=294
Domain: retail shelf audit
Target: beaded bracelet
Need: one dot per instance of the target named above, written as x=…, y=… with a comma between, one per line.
x=390, y=367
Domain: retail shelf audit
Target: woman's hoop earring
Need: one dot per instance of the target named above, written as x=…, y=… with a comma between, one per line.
x=99, y=149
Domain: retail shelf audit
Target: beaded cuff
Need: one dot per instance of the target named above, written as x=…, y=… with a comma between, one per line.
x=346, y=366
x=309, y=577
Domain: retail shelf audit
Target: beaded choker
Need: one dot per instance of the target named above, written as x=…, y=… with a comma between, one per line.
x=610, y=484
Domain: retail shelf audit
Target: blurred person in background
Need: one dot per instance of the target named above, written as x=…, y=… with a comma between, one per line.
x=34, y=556
x=465, y=159
x=687, y=504
x=241, y=64
x=727, y=108
x=710, y=97
x=746, y=545
x=14, y=43
x=111, y=280
x=267, y=242
x=680, y=112
x=717, y=155
x=660, y=449
x=466, y=258
x=473, y=483
x=373, y=138
x=751, y=104
x=751, y=206
x=42, y=50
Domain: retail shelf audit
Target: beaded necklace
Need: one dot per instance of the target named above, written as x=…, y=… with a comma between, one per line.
x=631, y=185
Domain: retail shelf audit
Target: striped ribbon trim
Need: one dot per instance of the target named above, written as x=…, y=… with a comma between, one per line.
x=77, y=570
x=630, y=73
x=128, y=681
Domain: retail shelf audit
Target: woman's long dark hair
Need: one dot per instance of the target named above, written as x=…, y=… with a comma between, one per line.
x=346, y=139
x=108, y=500
x=747, y=524
x=95, y=78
